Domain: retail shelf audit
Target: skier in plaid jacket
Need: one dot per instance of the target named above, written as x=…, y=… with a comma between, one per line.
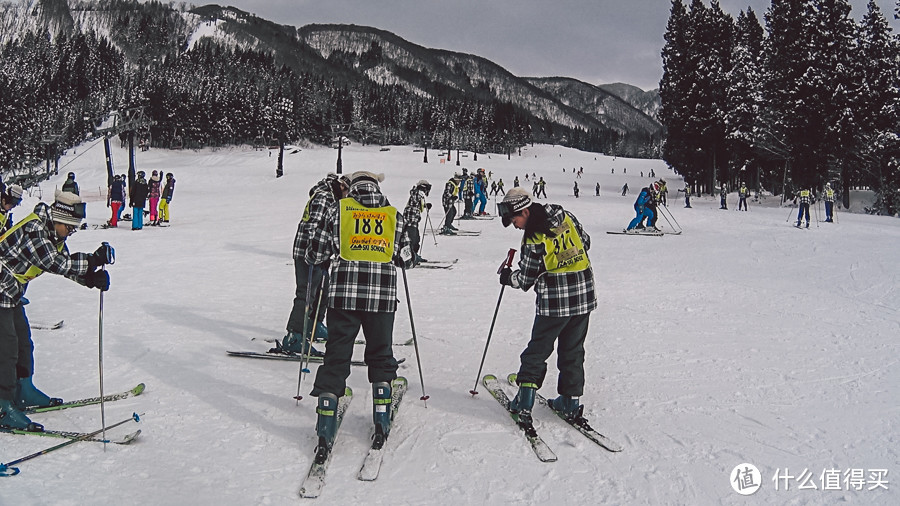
x=321, y=196
x=357, y=239
x=553, y=259
x=35, y=245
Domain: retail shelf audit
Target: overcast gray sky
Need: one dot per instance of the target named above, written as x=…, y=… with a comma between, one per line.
x=596, y=41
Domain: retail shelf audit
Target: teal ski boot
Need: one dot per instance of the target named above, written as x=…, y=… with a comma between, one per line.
x=381, y=410
x=326, y=425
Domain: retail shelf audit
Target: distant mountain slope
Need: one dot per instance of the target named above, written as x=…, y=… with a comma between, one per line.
x=605, y=106
x=346, y=53
x=387, y=58
x=645, y=101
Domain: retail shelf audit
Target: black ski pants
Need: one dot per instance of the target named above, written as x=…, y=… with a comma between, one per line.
x=301, y=275
x=571, y=331
x=16, y=350
x=343, y=327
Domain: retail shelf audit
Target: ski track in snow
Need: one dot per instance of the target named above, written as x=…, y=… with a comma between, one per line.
x=741, y=340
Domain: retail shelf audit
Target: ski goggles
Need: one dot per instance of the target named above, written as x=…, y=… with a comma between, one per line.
x=506, y=211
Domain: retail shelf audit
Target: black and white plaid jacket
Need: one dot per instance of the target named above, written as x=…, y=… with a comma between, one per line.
x=357, y=285
x=35, y=244
x=558, y=294
x=413, y=211
x=321, y=197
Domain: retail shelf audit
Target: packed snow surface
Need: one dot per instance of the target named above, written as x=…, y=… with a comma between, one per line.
x=743, y=340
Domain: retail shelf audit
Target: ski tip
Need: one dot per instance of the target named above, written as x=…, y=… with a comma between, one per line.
x=488, y=377
x=511, y=378
x=139, y=389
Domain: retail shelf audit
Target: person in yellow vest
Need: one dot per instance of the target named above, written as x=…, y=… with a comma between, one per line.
x=362, y=236
x=9, y=198
x=554, y=260
x=805, y=197
x=829, y=203
x=743, y=193
x=32, y=246
x=448, y=200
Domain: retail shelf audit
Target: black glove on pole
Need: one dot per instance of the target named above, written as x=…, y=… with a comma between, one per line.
x=505, y=265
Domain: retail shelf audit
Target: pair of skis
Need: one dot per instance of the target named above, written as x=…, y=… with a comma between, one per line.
x=541, y=449
x=81, y=436
x=8, y=468
x=315, y=480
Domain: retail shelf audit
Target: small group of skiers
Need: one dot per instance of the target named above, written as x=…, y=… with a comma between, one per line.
x=34, y=245
x=472, y=192
x=356, y=289
x=805, y=196
x=159, y=194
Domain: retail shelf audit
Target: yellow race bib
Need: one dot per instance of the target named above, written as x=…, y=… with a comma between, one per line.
x=564, y=251
x=367, y=233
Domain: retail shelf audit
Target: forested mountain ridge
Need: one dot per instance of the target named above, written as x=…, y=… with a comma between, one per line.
x=215, y=75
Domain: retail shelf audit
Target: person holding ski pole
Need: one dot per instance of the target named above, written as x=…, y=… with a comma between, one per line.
x=554, y=260
x=828, y=195
x=448, y=200
x=412, y=215
x=805, y=196
x=308, y=281
x=32, y=246
x=362, y=294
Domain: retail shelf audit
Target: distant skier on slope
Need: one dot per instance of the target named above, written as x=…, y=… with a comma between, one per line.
x=412, y=214
x=641, y=208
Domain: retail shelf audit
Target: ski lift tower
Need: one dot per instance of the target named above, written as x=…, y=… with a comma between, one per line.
x=338, y=132
x=116, y=122
x=51, y=142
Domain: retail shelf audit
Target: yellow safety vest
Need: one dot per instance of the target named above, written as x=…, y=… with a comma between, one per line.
x=32, y=271
x=367, y=233
x=564, y=251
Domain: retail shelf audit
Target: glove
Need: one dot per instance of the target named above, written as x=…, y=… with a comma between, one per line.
x=168, y=200
x=104, y=255
x=97, y=279
x=505, y=276
x=428, y=205
x=403, y=256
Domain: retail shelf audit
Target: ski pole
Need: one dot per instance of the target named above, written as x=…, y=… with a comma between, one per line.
x=506, y=263
x=673, y=218
x=431, y=225
x=790, y=213
x=817, y=213
x=8, y=470
x=308, y=340
x=412, y=326
x=309, y=275
x=110, y=259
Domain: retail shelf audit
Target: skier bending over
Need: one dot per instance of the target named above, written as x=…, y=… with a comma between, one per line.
x=554, y=260
x=641, y=208
x=32, y=246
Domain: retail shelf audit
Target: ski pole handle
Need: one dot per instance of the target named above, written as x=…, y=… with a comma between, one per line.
x=509, y=260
